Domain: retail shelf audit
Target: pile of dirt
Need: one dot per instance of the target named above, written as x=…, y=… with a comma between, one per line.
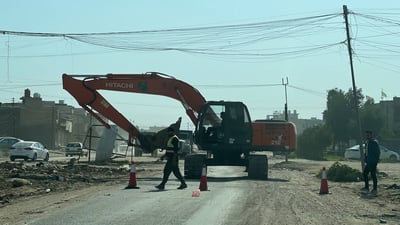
x=21, y=179
x=296, y=165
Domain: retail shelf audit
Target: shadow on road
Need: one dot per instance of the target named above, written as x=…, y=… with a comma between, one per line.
x=230, y=179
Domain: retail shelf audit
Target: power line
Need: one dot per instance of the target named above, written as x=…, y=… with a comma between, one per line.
x=309, y=91
x=376, y=35
x=236, y=86
x=11, y=87
x=241, y=40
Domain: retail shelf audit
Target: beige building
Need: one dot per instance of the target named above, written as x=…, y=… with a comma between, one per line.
x=53, y=124
x=391, y=111
x=301, y=124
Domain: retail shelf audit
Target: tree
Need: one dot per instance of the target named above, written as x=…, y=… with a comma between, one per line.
x=371, y=116
x=338, y=115
x=313, y=141
x=353, y=128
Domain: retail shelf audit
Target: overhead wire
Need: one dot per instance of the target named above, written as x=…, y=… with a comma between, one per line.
x=204, y=43
x=213, y=40
x=236, y=86
x=377, y=40
x=253, y=42
x=227, y=40
x=309, y=91
x=7, y=87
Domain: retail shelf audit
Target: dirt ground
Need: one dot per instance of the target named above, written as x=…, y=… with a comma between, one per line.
x=22, y=180
x=383, y=207
x=33, y=186
x=388, y=177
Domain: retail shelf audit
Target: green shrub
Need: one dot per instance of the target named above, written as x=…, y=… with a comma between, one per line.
x=342, y=173
x=312, y=142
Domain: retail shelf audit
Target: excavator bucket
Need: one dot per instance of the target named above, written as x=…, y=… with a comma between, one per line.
x=151, y=142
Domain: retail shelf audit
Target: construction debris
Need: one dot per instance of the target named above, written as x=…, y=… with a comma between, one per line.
x=23, y=179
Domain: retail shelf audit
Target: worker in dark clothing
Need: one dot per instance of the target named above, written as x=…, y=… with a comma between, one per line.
x=172, y=164
x=372, y=155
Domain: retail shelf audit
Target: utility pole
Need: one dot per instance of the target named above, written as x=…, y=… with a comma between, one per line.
x=345, y=14
x=8, y=59
x=90, y=136
x=14, y=118
x=286, y=110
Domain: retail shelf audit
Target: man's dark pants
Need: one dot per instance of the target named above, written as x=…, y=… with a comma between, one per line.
x=172, y=166
x=370, y=168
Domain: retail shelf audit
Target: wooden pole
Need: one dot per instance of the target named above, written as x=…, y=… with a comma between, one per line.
x=359, y=140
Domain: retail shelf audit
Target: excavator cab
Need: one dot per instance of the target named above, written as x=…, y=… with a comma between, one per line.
x=223, y=125
x=225, y=131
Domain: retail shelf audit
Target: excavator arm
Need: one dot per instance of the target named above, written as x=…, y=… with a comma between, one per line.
x=85, y=89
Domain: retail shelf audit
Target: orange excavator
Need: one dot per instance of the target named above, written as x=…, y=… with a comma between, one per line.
x=223, y=129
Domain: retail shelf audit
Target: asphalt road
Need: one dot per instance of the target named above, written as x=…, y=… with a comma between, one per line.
x=171, y=206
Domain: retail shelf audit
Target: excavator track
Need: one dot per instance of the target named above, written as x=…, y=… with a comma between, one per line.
x=258, y=167
x=193, y=165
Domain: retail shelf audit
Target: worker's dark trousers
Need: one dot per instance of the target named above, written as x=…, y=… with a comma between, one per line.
x=172, y=166
x=370, y=168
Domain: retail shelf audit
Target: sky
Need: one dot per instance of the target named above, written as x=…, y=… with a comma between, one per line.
x=228, y=50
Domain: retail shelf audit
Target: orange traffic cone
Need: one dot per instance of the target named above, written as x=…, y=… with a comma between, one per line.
x=324, y=183
x=203, y=179
x=132, y=178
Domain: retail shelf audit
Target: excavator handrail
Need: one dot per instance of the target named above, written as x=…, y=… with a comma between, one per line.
x=111, y=74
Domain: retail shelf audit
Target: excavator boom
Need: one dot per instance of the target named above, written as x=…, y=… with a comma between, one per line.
x=85, y=88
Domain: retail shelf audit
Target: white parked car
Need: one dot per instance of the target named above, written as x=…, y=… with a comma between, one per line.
x=29, y=150
x=354, y=153
x=75, y=148
x=7, y=142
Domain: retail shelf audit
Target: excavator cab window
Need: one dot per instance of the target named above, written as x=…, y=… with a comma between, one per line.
x=223, y=123
x=211, y=124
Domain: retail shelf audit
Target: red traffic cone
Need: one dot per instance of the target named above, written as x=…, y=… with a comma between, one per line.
x=132, y=178
x=324, y=183
x=203, y=179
